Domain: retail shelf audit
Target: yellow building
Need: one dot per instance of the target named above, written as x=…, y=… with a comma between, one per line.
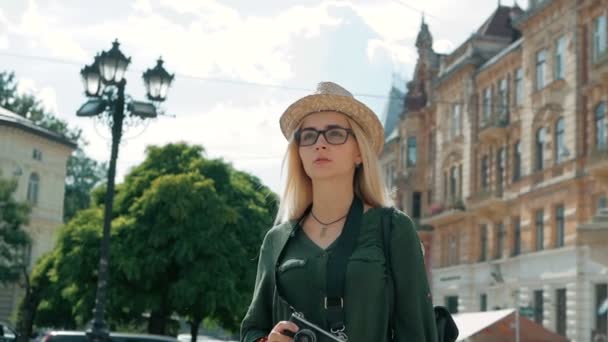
x=500, y=154
x=37, y=159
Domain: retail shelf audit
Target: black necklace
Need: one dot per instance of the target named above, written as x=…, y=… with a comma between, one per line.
x=325, y=225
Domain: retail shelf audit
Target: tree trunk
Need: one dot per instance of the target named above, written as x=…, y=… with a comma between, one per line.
x=159, y=318
x=194, y=325
x=27, y=311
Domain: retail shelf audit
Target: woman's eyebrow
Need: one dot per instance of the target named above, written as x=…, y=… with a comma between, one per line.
x=326, y=127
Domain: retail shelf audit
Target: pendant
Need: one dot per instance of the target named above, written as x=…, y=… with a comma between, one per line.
x=323, y=230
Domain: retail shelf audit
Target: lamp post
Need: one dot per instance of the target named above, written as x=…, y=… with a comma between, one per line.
x=104, y=85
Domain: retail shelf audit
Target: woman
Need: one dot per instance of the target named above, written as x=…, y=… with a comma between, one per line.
x=333, y=183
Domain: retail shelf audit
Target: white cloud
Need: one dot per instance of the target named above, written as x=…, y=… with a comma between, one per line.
x=216, y=40
x=398, y=53
x=4, y=41
x=47, y=31
x=248, y=136
x=46, y=94
x=444, y=46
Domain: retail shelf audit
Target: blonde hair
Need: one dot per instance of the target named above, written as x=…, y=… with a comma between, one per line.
x=368, y=183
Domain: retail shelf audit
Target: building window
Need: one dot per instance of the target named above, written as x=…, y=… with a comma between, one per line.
x=455, y=127
x=499, y=236
x=541, y=60
x=503, y=98
x=560, y=314
x=453, y=250
x=485, y=172
x=431, y=147
x=540, y=229
x=453, y=182
x=601, y=203
x=516, y=236
x=460, y=181
x=445, y=185
x=560, y=143
x=37, y=154
x=600, y=125
x=540, y=147
x=451, y=303
x=487, y=104
x=560, y=226
x=599, y=36
x=519, y=86
x=33, y=188
x=416, y=204
x=404, y=154
x=483, y=302
x=483, y=253
x=560, y=58
x=517, y=161
x=500, y=167
x=538, y=306
x=411, y=151
x=601, y=321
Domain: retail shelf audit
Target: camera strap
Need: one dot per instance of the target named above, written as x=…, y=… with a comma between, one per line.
x=336, y=268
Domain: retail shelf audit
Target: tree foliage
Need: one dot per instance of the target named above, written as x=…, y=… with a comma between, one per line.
x=14, y=241
x=185, y=235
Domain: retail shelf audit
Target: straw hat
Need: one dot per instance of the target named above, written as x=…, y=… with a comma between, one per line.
x=330, y=96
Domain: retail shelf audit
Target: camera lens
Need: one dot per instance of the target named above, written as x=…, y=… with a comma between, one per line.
x=305, y=335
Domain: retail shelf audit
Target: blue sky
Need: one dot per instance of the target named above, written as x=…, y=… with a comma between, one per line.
x=359, y=44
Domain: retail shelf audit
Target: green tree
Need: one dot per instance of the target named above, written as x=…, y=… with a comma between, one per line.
x=14, y=241
x=83, y=174
x=185, y=236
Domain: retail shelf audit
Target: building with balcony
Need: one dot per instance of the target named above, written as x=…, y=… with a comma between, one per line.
x=501, y=155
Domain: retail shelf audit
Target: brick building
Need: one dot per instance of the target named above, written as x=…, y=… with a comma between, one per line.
x=501, y=155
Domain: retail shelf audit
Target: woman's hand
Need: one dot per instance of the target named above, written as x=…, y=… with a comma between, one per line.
x=278, y=332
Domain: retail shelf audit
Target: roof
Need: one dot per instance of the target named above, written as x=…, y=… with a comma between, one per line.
x=531, y=12
x=8, y=118
x=499, y=23
x=517, y=44
x=394, y=134
x=471, y=323
x=493, y=325
x=392, y=110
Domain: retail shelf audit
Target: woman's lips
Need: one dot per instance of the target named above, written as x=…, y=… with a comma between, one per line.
x=322, y=161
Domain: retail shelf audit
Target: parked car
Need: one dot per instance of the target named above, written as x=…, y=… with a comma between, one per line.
x=199, y=338
x=7, y=334
x=80, y=336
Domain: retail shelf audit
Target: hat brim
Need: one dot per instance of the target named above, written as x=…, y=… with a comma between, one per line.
x=346, y=105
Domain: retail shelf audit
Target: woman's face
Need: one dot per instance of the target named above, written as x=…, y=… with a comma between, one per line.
x=324, y=159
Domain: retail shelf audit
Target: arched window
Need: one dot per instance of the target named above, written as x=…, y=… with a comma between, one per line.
x=560, y=143
x=600, y=125
x=33, y=188
x=540, y=146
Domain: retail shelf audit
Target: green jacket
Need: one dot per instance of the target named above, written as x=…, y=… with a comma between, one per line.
x=367, y=288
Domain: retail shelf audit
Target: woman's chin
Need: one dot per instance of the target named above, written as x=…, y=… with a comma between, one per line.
x=327, y=174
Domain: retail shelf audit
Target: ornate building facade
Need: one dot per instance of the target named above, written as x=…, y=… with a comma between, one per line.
x=36, y=158
x=500, y=154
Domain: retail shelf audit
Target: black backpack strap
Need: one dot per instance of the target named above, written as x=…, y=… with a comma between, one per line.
x=387, y=225
x=336, y=267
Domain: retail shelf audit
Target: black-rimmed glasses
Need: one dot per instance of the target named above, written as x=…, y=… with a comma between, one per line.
x=333, y=135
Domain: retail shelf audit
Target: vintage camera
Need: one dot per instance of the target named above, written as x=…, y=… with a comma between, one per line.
x=309, y=332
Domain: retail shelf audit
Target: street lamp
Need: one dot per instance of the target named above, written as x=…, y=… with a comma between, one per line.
x=104, y=85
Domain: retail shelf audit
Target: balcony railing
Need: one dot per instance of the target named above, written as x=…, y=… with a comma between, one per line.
x=599, y=154
x=499, y=119
x=439, y=208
